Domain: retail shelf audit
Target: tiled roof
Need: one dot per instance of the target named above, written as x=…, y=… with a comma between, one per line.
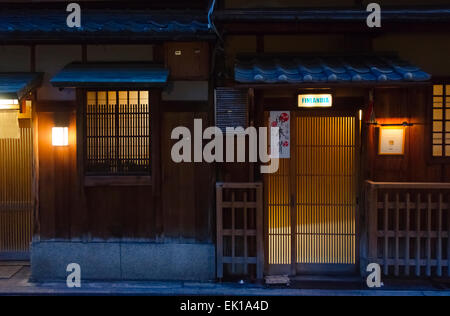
x=138, y=75
x=48, y=22
x=17, y=85
x=407, y=13
x=331, y=69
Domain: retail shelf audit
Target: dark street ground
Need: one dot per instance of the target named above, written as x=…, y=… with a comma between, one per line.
x=15, y=281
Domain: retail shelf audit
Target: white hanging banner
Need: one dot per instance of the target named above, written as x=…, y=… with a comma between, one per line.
x=282, y=120
x=9, y=124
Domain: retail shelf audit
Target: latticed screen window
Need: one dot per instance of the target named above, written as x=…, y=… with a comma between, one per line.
x=118, y=133
x=441, y=121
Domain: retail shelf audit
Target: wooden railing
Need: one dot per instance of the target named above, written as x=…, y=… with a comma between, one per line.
x=240, y=248
x=408, y=227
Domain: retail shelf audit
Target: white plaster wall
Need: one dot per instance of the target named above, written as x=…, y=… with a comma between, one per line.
x=120, y=53
x=15, y=58
x=50, y=59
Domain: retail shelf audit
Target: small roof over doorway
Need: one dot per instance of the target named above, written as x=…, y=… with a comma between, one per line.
x=316, y=69
x=15, y=86
x=111, y=75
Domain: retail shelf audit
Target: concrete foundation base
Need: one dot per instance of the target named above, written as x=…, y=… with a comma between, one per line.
x=123, y=261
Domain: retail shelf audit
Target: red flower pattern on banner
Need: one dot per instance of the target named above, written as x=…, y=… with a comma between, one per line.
x=281, y=120
x=284, y=117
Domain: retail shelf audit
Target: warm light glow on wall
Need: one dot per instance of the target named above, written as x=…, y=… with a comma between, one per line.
x=60, y=136
x=9, y=104
x=392, y=140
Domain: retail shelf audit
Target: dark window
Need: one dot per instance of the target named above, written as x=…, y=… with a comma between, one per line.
x=118, y=133
x=441, y=121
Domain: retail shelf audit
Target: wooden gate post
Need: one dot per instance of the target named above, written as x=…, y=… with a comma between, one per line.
x=219, y=221
x=372, y=209
x=259, y=232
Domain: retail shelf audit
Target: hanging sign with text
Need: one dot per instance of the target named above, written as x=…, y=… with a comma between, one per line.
x=315, y=101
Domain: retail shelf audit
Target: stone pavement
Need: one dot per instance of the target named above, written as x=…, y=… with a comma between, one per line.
x=19, y=284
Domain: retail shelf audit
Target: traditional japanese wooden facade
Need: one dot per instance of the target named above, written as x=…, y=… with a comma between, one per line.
x=86, y=168
x=343, y=197
x=112, y=196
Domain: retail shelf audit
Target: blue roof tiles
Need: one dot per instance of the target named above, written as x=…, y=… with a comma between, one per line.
x=17, y=85
x=140, y=75
x=108, y=22
x=331, y=69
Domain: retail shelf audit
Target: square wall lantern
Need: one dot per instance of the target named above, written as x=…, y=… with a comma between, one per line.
x=60, y=136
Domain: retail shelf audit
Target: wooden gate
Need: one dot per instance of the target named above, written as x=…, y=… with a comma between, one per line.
x=16, y=201
x=311, y=200
x=239, y=229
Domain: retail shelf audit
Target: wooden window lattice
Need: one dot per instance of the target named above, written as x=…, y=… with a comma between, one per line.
x=441, y=121
x=118, y=133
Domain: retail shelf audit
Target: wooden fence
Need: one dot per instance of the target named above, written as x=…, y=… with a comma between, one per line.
x=240, y=230
x=408, y=228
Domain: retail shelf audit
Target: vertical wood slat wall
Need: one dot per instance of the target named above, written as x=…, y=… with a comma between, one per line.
x=240, y=228
x=16, y=202
x=324, y=195
x=279, y=215
x=326, y=200
x=409, y=228
x=118, y=132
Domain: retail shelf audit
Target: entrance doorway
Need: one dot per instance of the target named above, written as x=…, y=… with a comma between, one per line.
x=312, y=199
x=16, y=200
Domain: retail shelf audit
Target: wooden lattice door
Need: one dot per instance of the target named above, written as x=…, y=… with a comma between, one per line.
x=311, y=200
x=16, y=200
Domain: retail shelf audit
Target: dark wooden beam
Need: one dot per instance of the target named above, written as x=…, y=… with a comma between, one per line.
x=292, y=28
x=84, y=226
x=260, y=44
x=84, y=57
x=56, y=106
x=156, y=118
x=33, y=58
x=185, y=106
x=118, y=38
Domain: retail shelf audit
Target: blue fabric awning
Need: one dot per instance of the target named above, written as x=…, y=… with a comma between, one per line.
x=17, y=85
x=327, y=69
x=112, y=75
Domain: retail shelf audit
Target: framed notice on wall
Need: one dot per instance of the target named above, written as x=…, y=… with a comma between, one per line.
x=392, y=141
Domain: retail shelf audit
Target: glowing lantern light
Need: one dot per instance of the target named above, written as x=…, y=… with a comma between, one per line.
x=60, y=136
x=9, y=104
